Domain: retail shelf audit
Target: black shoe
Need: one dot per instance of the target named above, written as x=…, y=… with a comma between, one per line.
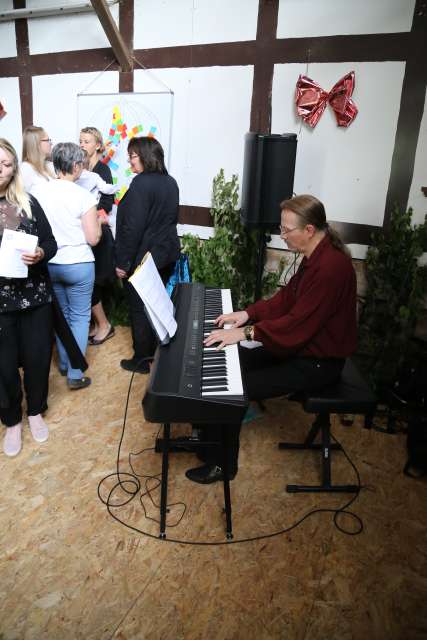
x=208, y=474
x=94, y=342
x=79, y=383
x=135, y=365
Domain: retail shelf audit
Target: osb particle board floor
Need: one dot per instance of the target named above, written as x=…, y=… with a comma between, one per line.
x=68, y=570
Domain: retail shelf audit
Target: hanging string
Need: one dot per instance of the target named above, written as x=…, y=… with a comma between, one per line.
x=79, y=93
x=151, y=74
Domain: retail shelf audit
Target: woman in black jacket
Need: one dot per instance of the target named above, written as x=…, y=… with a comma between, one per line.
x=25, y=310
x=146, y=221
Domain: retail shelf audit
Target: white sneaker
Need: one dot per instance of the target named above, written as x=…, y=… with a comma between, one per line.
x=12, y=443
x=38, y=428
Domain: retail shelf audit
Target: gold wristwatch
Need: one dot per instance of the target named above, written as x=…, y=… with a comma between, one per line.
x=249, y=332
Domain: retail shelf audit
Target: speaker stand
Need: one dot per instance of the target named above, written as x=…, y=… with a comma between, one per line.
x=262, y=245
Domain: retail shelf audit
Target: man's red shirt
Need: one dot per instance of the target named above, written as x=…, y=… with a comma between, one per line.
x=314, y=315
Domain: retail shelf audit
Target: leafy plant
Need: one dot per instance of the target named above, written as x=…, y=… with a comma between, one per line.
x=116, y=305
x=396, y=288
x=229, y=259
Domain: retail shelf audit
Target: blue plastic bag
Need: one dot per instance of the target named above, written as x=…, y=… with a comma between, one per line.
x=181, y=273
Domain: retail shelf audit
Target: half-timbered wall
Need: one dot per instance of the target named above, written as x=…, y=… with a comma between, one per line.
x=232, y=65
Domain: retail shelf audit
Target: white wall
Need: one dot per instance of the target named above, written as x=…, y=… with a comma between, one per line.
x=10, y=125
x=55, y=100
x=7, y=33
x=347, y=168
x=67, y=32
x=304, y=18
x=211, y=114
x=166, y=23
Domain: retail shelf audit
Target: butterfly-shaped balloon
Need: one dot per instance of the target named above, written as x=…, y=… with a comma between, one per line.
x=311, y=100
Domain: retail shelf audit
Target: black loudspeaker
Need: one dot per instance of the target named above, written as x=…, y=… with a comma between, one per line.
x=268, y=177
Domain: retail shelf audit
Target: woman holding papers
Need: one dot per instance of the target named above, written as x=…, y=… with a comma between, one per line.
x=25, y=309
x=71, y=210
x=146, y=221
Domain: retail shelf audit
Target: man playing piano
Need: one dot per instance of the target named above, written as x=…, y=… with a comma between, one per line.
x=307, y=328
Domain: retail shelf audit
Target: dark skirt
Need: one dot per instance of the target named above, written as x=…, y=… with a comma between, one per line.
x=104, y=257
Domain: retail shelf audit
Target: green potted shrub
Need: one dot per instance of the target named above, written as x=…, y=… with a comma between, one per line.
x=229, y=259
x=394, y=300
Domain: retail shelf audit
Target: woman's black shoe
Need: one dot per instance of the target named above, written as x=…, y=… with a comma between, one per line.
x=207, y=474
x=79, y=383
x=135, y=365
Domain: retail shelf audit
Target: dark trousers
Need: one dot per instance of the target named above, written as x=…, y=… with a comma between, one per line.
x=266, y=376
x=143, y=337
x=25, y=341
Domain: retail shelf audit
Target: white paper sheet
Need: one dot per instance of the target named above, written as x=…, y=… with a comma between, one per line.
x=150, y=288
x=13, y=245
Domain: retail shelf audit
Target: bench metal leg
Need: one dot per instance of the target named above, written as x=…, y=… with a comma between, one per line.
x=320, y=426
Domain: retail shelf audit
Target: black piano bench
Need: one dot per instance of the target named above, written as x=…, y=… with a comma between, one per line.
x=351, y=394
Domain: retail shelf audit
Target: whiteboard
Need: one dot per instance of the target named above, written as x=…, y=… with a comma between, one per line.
x=122, y=116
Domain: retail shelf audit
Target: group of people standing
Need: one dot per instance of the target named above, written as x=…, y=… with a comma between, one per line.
x=64, y=195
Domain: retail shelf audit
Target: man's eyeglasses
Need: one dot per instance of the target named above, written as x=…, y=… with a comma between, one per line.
x=285, y=231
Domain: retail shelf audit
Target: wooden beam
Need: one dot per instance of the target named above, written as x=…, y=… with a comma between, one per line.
x=25, y=78
x=126, y=20
x=412, y=105
x=260, y=120
x=120, y=49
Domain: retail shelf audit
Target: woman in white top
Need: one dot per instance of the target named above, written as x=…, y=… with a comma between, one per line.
x=36, y=166
x=71, y=211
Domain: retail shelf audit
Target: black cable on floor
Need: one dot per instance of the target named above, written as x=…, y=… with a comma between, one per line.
x=132, y=479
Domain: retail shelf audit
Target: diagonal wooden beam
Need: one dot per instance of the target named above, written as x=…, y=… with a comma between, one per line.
x=118, y=45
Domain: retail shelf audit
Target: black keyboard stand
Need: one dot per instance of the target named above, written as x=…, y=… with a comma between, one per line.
x=226, y=482
x=164, y=483
x=164, y=445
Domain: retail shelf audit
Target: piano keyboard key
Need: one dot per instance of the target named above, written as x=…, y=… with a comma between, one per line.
x=219, y=302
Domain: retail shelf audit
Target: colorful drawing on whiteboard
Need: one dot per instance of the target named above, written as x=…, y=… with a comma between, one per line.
x=116, y=142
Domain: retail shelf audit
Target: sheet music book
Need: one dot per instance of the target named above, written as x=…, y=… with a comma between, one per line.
x=150, y=288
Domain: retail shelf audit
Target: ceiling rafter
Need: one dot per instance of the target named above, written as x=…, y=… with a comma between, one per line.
x=113, y=34
x=44, y=12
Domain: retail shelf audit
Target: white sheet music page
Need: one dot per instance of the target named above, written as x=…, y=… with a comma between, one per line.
x=150, y=288
x=13, y=245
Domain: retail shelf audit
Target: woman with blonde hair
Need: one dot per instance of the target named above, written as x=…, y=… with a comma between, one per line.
x=25, y=310
x=36, y=166
x=91, y=142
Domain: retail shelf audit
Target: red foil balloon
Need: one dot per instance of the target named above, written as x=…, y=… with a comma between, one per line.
x=311, y=100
